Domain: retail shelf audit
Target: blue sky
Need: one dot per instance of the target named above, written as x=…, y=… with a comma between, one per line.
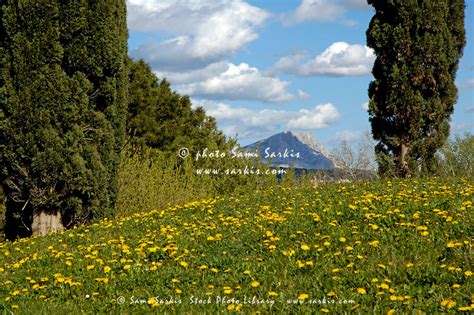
x=264, y=66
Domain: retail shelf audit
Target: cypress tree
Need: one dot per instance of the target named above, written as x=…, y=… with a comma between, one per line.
x=62, y=107
x=418, y=45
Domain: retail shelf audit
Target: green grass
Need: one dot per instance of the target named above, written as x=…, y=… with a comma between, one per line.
x=379, y=246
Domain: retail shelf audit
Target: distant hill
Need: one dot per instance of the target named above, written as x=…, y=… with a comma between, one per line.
x=295, y=150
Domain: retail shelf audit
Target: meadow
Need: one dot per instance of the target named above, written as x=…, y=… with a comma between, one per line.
x=384, y=247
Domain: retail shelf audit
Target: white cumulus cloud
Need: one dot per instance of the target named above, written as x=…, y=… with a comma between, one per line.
x=339, y=59
x=226, y=81
x=319, y=117
x=316, y=10
x=201, y=32
x=246, y=121
x=348, y=135
x=324, y=11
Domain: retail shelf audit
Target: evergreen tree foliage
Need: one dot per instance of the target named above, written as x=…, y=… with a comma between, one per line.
x=161, y=118
x=418, y=45
x=63, y=91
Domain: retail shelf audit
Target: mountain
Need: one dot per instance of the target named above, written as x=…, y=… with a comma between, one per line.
x=308, y=139
x=291, y=149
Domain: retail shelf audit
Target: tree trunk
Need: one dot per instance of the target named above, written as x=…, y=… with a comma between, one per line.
x=402, y=163
x=45, y=222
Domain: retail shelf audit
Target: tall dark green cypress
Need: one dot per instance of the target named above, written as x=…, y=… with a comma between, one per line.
x=63, y=89
x=94, y=37
x=418, y=45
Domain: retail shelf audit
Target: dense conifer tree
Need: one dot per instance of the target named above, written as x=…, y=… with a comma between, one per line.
x=63, y=93
x=161, y=118
x=418, y=45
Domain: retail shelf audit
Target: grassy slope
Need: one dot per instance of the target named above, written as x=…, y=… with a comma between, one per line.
x=400, y=245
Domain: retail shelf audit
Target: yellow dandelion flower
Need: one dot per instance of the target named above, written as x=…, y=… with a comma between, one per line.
x=342, y=239
x=152, y=249
x=448, y=304
x=183, y=264
x=107, y=269
x=303, y=296
x=247, y=272
x=361, y=291
x=384, y=286
x=305, y=247
x=272, y=293
x=374, y=243
x=255, y=284
x=468, y=273
x=103, y=280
